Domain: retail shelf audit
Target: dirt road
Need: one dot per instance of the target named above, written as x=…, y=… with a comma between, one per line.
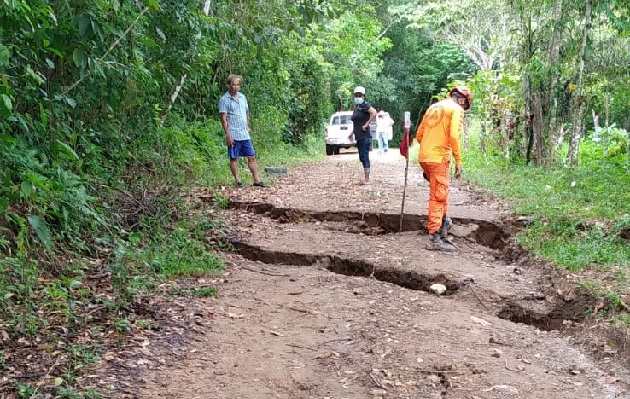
x=327, y=299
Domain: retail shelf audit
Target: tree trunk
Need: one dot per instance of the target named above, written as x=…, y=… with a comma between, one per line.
x=174, y=96
x=466, y=132
x=579, y=99
x=554, y=57
x=607, y=122
x=538, y=130
x=596, y=127
x=206, y=7
x=527, y=52
x=528, y=137
x=505, y=133
x=483, y=138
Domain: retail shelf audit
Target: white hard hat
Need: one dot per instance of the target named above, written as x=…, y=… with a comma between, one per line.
x=359, y=89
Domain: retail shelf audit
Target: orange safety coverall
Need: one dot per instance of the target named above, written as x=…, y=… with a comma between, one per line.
x=438, y=135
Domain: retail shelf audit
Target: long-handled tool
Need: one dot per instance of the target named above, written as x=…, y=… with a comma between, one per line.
x=406, y=139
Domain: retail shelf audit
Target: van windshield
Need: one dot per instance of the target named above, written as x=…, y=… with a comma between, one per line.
x=342, y=120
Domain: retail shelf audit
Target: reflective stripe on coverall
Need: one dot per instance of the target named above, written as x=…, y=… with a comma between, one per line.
x=438, y=135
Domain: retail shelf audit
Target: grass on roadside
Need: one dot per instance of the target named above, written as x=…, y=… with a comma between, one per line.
x=577, y=213
x=151, y=237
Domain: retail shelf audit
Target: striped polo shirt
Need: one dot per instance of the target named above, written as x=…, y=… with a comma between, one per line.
x=236, y=110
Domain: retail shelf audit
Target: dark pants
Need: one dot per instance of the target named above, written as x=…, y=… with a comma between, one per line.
x=363, y=145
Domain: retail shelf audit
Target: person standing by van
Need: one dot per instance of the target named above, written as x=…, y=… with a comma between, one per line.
x=384, y=123
x=362, y=117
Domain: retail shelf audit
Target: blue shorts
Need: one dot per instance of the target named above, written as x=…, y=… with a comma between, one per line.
x=241, y=148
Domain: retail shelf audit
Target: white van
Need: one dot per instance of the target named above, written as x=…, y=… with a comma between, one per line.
x=337, y=132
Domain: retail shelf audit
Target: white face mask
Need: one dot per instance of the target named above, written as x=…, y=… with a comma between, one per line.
x=358, y=100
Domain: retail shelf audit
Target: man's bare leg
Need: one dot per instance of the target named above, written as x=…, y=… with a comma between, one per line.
x=251, y=163
x=234, y=169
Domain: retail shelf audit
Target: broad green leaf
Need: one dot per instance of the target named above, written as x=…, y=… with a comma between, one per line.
x=35, y=75
x=26, y=189
x=160, y=33
x=85, y=24
x=95, y=67
x=41, y=228
x=79, y=58
x=5, y=81
x=154, y=4
x=38, y=180
x=58, y=381
x=55, y=51
x=135, y=238
x=71, y=102
x=5, y=54
x=66, y=149
x=50, y=64
x=6, y=106
x=43, y=115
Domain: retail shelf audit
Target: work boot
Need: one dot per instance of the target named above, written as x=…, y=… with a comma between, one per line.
x=447, y=223
x=437, y=244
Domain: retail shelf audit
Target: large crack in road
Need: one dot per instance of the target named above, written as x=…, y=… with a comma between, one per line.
x=325, y=297
x=550, y=311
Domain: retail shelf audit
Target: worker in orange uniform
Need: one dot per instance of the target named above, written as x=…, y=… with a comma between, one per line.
x=438, y=135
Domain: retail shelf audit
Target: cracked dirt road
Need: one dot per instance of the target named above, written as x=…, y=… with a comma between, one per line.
x=325, y=298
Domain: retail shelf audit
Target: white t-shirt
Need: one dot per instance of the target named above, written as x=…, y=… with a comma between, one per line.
x=384, y=123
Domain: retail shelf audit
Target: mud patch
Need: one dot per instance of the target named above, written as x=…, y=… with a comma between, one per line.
x=491, y=236
x=548, y=316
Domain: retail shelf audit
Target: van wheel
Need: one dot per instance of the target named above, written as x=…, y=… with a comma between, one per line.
x=336, y=150
x=330, y=149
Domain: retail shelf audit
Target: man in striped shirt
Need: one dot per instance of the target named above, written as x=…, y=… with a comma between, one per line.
x=234, y=112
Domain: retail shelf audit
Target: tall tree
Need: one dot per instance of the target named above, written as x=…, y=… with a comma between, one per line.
x=578, y=103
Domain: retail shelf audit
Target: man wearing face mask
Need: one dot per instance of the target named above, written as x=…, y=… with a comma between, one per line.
x=363, y=115
x=438, y=135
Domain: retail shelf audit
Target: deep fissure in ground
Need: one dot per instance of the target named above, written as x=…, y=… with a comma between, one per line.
x=486, y=234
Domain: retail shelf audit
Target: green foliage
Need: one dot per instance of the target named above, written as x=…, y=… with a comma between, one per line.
x=609, y=142
x=622, y=319
x=182, y=251
x=221, y=201
x=574, y=247
x=122, y=325
x=108, y=120
x=577, y=212
x=610, y=294
x=18, y=280
x=183, y=255
x=71, y=393
x=415, y=69
x=350, y=46
x=205, y=292
x=82, y=355
x=26, y=391
x=197, y=292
